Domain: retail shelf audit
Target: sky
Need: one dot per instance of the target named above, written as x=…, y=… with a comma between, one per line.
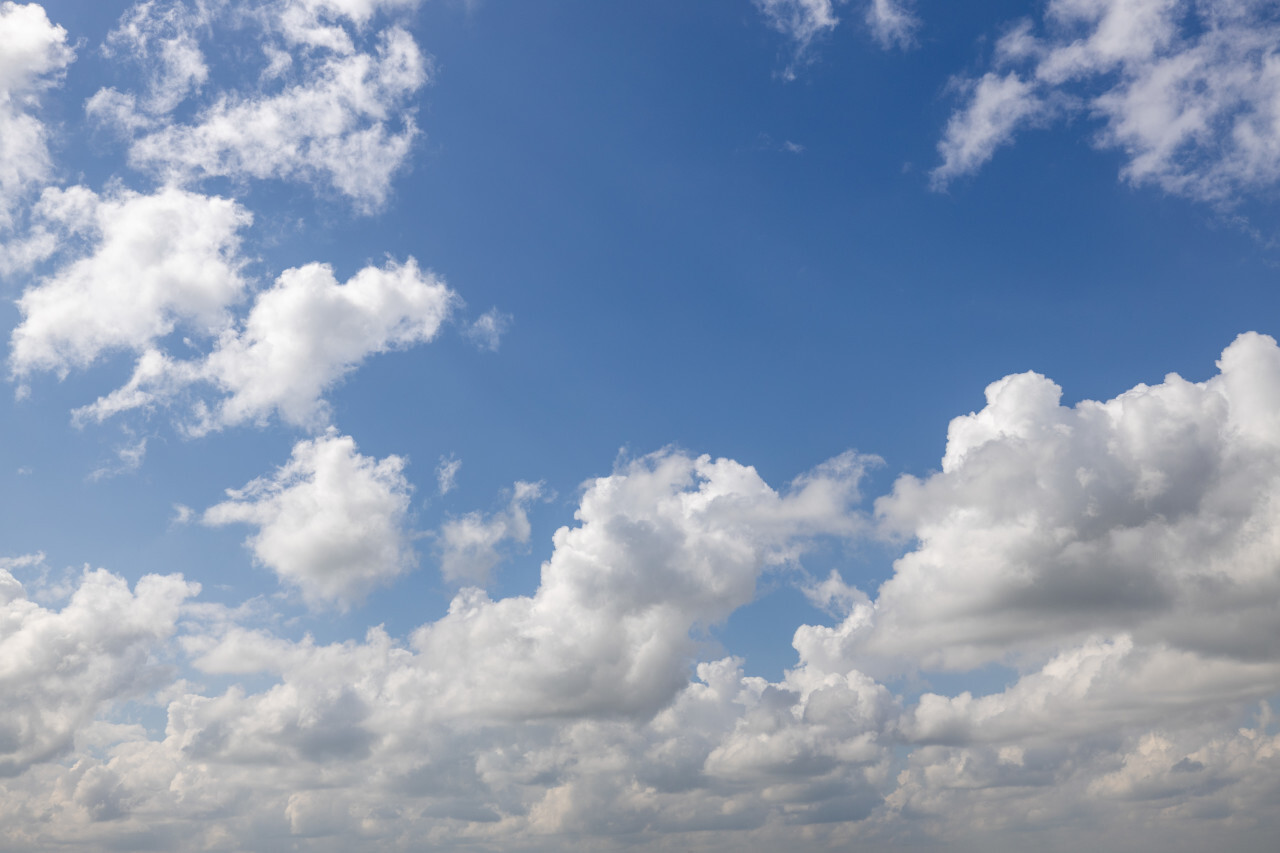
x=733, y=425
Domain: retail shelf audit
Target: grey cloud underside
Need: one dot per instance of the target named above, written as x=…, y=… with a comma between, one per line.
x=535, y=721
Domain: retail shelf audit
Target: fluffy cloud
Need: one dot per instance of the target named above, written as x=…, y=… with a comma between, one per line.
x=59, y=667
x=1186, y=89
x=299, y=338
x=1120, y=554
x=331, y=521
x=1153, y=513
x=153, y=263
x=565, y=713
x=326, y=111
x=163, y=38
x=469, y=544
x=33, y=55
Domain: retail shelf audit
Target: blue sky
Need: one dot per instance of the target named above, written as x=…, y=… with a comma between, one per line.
x=519, y=426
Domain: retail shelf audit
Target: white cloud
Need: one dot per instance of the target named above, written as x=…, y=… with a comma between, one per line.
x=327, y=111
x=565, y=713
x=892, y=23
x=331, y=521
x=447, y=474
x=154, y=263
x=487, y=331
x=802, y=21
x=469, y=544
x=998, y=105
x=163, y=38
x=300, y=337
x=1152, y=514
x=569, y=716
x=1186, y=90
x=33, y=56
x=60, y=667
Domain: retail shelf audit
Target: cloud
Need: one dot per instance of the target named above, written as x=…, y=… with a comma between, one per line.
x=332, y=107
x=801, y=21
x=487, y=331
x=164, y=39
x=61, y=667
x=300, y=337
x=1186, y=91
x=331, y=521
x=447, y=474
x=153, y=263
x=998, y=105
x=892, y=23
x=469, y=544
x=565, y=713
x=1151, y=514
x=572, y=713
x=33, y=55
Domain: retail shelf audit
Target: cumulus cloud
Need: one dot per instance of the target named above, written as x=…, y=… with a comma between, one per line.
x=469, y=544
x=332, y=106
x=300, y=337
x=33, y=55
x=164, y=39
x=60, y=667
x=331, y=521
x=152, y=264
x=1185, y=89
x=1152, y=513
x=1118, y=555
x=564, y=713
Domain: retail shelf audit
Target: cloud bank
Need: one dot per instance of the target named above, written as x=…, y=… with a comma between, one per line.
x=1117, y=557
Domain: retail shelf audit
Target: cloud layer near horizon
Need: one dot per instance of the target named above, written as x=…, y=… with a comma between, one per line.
x=1118, y=555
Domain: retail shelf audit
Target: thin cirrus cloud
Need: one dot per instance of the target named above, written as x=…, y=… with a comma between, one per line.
x=892, y=23
x=1186, y=91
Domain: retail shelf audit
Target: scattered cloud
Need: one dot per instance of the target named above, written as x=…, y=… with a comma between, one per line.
x=469, y=544
x=33, y=55
x=447, y=474
x=892, y=23
x=331, y=521
x=300, y=337
x=1185, y=90
x=487, y=331
x=61, y=667
x=333, y=106
x=153, y=263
